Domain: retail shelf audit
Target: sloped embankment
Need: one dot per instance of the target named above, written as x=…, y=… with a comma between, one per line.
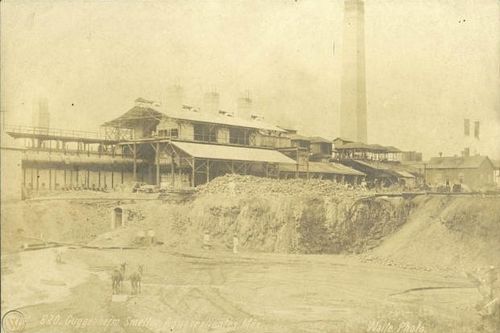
x=458, y=233
x=59, y=220
x=292, y=216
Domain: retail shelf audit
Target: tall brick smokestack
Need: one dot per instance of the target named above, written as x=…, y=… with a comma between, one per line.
x=353, y=120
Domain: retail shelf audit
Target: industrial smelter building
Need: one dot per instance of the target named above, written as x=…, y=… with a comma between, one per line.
x=185, y=146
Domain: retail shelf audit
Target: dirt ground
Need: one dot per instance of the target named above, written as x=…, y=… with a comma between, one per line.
x=402, y=266
x=218, y=291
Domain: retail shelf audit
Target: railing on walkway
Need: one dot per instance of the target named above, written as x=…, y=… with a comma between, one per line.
x=20, y=129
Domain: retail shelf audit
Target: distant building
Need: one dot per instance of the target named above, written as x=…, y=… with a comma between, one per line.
x=321, y=149
x=496, y=165
x=477, y=172
x=314, y=157
x=381, y=164
x=411, y=156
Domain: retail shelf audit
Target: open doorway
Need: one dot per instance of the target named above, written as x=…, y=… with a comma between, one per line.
x=117, y=217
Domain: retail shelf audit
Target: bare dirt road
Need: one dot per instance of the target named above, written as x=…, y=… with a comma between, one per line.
x=215, y=291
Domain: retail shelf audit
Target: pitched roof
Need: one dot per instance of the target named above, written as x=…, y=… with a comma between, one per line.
x=457, y=162
x=342, y=139
x=231, y=153
x=403, y=174
x=369, y=147
x=138, y=113
x=318, y=139
x=132, y=116
x=298, y=137
x=322, y=167
x=206, y=117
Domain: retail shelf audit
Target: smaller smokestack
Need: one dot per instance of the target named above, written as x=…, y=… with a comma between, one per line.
x=41, y=115
x=244, y=106
x=173, y=99
x=211, y=102
x=476, y=129
x=466, y=127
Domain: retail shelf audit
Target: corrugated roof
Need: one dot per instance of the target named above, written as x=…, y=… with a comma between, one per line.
x=322, y=167
x=205, y=117
x=470, y=162
x=220, y=152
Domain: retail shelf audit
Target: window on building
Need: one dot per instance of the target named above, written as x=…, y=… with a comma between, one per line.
x=169, y=133
x=238, y=136
x=205, y=133
x=325, y=149
x=304, y=144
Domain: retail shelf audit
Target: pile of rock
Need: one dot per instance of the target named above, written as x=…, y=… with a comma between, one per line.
x=251, y=185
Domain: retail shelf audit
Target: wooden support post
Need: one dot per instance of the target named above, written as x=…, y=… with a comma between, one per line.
x=134, y=149
x=172, y=171
x=50, y=179
x=24, y=176
x=232, y=166
x=307, y=167
x=208, y=170
x=99, y=178
x=158, y=164
x=193, y=182
x=37, y=178
x=298, y=163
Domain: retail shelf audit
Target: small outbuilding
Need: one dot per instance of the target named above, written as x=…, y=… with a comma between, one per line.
x=477, y=172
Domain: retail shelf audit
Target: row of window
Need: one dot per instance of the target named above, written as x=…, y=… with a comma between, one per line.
x=209, y=134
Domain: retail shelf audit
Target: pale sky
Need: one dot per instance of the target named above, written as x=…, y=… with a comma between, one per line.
x=429, y=63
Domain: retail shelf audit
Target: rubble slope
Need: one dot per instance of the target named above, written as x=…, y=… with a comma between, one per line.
x=458, y=233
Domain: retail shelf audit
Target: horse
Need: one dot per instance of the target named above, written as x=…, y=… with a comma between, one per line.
x=117, y=278
x=135, y=280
